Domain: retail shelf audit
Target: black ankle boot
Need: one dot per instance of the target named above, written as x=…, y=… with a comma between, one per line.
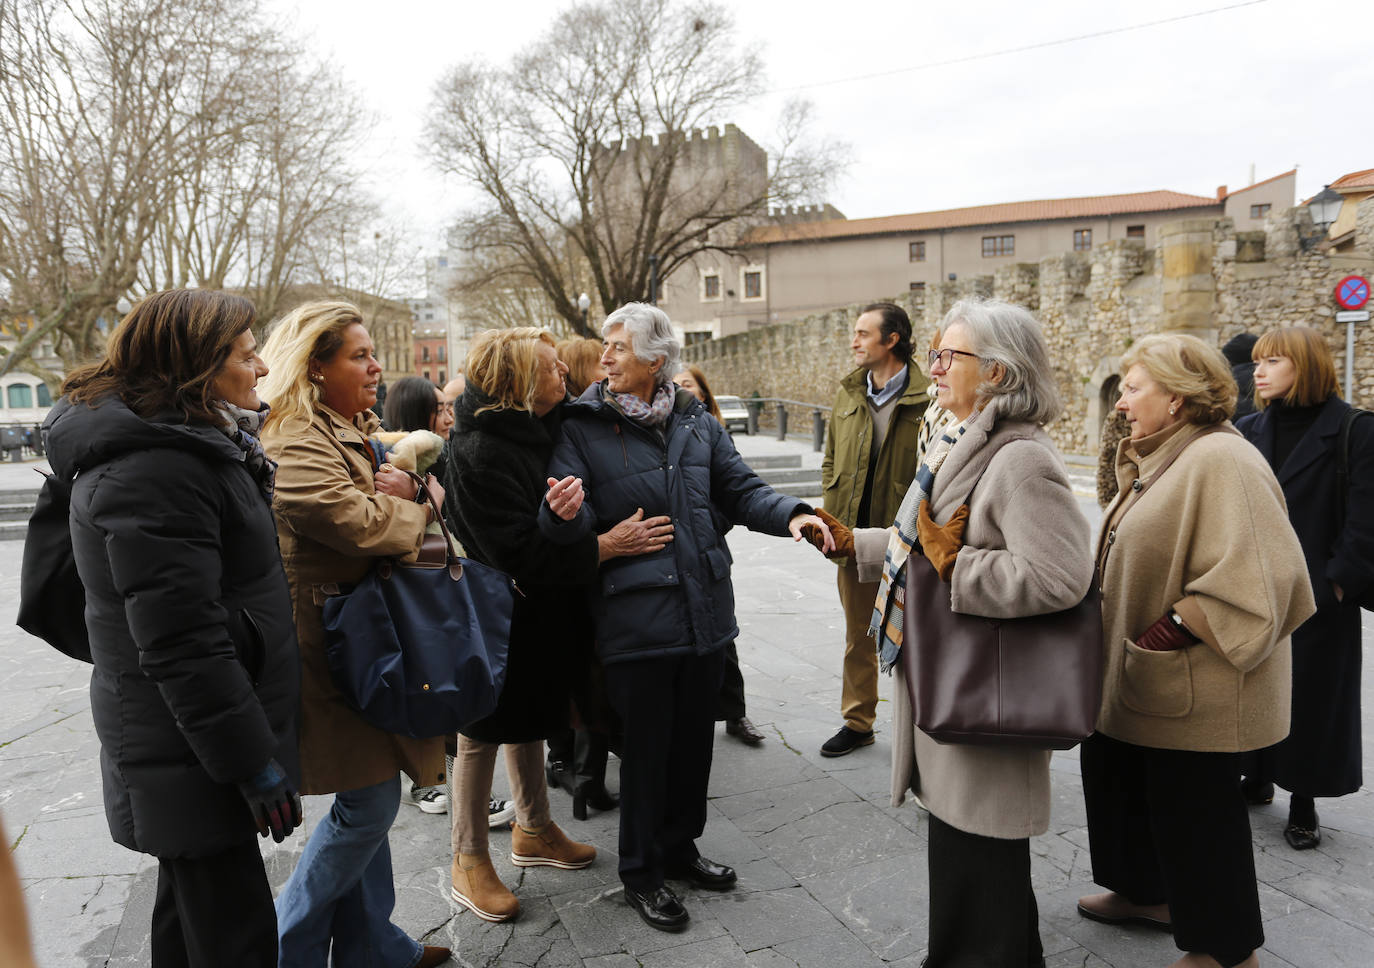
x=560, y=775
x=589, y=772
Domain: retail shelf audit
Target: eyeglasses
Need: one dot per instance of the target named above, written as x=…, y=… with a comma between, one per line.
x=946, y=357
x=443, y=406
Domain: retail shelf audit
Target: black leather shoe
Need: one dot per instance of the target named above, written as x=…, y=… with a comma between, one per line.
x=560, y=774
x=1257, y=792
x=846, y=741
x=1303, y=838
x=660, y=908
x=744, y=731
x=705, y=873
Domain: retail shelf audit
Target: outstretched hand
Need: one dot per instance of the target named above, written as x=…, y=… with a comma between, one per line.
x=565, y=497
x=819, y=531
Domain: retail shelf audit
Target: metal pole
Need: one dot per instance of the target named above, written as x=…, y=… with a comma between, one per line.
x=817, y=430
x=753, y=426
x=1350, y=363
x=782, y=421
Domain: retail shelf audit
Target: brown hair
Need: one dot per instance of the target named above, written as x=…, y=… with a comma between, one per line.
x=582, y=356
x=165, y=354
x=1314, y=368
x=504, y=364
x=1185, y=366
x=707, y=396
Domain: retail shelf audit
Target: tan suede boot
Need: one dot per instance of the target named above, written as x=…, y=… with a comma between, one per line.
x=477, y=888
x=548, y=846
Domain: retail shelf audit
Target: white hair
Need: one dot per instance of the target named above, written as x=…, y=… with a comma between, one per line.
x=1001, y=332
x=651, y=337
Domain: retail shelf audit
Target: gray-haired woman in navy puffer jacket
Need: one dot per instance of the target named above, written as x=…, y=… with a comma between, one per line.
x=636, y=444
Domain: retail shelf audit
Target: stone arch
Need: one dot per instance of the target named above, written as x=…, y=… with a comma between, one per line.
x=1101, y=389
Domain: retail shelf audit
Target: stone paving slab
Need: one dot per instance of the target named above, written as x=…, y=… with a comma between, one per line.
x=830, y=873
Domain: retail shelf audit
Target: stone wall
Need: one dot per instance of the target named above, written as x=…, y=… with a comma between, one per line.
x=1203, y=277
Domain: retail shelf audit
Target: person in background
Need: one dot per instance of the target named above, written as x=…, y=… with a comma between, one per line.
x=1202, y=583
x=337, y=513
x=870, y=458
x=453, y=389
x=582, y=357
x=1239, y=351
x=414, y=403
x=1016, y=546
x=1297, y=430
x=730, y=704
x=662, y=618
x=195, y=681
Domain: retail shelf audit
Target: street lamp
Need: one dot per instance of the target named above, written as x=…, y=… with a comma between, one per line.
x=584, y=303
x=1325, y=206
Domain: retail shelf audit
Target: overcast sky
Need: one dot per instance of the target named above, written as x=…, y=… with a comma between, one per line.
x=1187, y=106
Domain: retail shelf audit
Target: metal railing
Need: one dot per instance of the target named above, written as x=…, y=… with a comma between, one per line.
x=756, y=405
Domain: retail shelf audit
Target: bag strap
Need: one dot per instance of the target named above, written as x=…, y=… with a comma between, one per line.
x=432, y=554
x=1343, y=463
x=1138, y=489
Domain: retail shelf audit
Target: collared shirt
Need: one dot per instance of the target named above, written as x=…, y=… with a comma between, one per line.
x=892, y=388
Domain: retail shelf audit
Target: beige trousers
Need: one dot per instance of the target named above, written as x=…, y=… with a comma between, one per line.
x=473, y=768
x=859, y=686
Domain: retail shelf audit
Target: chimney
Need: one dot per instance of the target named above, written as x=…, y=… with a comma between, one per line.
x=1221, y=192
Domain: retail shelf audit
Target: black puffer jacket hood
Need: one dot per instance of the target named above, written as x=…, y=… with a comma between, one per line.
x=196, y=678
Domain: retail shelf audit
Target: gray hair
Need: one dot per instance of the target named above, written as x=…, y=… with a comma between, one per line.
x=1001, y=332
x=651, y=337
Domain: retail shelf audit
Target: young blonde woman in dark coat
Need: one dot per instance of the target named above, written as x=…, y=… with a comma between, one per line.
x=1297, y=429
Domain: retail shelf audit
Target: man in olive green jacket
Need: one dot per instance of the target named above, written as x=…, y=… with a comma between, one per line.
x=870, y=460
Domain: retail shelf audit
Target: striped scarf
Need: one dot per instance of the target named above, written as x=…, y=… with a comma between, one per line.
x=886, y=623
x=653, y=414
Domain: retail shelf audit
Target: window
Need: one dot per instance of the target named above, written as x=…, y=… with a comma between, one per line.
x=1082, y=240
x=20, y=395
x=1135, y=231
x=44, y=396
x=443, y=377
x=918, y=287
x=424, y=354
x=1259, y=211
x=916, y=252
x=710, y=286
x=751, y=282
x=998, y=245
x=429, y=317
x=426, y=374
x=443, y=354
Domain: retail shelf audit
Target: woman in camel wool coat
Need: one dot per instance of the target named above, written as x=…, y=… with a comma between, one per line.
x=1025, y=551
x=1203, y=581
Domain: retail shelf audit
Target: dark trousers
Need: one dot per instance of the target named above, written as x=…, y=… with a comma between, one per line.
x=1171, y=826
x=730, y=701
x=982, y=907
x=667, y=706
x=214, y=911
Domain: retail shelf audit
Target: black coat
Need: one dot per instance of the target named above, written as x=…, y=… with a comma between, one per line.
x=1321, y=756
x=678, y=600
x=196, y=678
x=495, y=466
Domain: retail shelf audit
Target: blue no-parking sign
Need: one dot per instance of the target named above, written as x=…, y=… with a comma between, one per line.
x=1352, y=292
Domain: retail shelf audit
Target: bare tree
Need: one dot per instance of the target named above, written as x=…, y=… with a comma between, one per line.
x=578, y=193
x=147, y=144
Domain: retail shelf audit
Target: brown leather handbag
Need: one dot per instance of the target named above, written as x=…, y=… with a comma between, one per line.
x=1031, y=682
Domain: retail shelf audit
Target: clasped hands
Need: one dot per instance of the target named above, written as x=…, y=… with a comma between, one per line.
x=940, y=543
x=636, y=535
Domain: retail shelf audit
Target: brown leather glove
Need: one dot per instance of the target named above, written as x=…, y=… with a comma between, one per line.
x=941, y=542
x=844, y=538
x=1165, y=635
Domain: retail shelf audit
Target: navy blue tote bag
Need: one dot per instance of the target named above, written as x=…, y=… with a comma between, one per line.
x=420, y=649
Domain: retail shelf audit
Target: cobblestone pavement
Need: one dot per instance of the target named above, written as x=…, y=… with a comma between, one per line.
x=830, y=875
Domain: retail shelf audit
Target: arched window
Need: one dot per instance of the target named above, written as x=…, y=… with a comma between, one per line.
x=20, y=395
x=44, y=395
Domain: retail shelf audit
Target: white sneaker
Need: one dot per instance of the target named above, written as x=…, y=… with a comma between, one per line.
x=430, y=799
x=500, y=813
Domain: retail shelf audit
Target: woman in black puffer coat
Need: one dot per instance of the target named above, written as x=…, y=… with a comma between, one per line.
x=196, y=672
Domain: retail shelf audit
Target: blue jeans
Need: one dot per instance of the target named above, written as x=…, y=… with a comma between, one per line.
x=342, y=890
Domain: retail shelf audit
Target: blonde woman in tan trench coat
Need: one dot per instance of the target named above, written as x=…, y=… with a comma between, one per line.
x=1023, y=551
x=1203, y=581
x=335, y=517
